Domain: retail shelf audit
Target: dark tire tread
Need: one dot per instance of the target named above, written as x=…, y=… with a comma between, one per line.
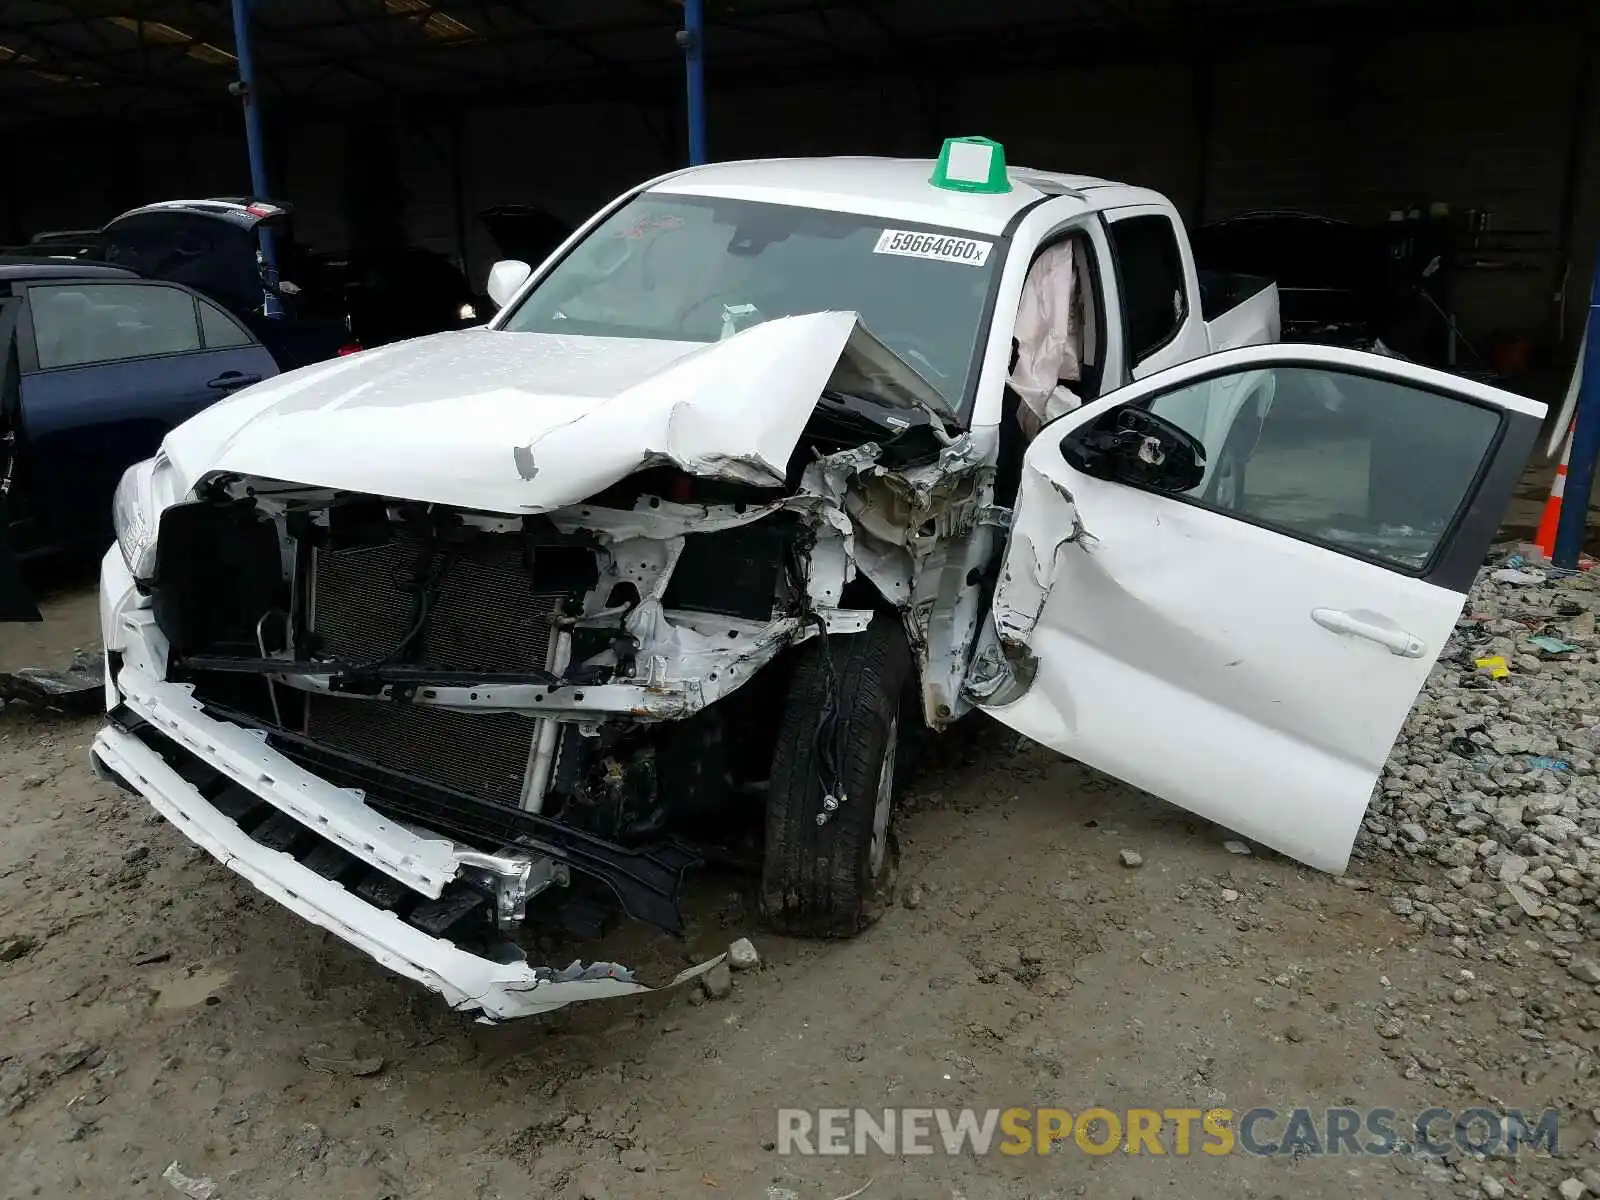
x=815, y=879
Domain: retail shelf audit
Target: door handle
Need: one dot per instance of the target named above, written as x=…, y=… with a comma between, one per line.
x=229, y=380
x=1373, y=628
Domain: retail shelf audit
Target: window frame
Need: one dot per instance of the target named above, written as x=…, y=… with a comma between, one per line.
x=201, y=303
x=1137, y=357
x=28, y=346
x=1442, y=568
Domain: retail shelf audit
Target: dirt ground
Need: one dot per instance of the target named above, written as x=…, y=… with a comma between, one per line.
x=158, y=1010
x=167, y=1013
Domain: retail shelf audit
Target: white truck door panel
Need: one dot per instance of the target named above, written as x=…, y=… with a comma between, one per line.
x=1249, y=649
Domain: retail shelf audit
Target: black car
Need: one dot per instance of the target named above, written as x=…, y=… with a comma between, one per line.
x=213, y=247
x=525, y=231
x=87, y=244
x=386, y=294
x=1332, y=275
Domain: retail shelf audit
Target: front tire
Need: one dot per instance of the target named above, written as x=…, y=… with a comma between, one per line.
x=837, y=878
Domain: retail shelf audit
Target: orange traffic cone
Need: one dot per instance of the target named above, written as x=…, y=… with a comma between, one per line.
x=1545, y=539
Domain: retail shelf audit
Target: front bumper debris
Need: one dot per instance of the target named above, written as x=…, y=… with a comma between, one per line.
x=467, y=981
x=320, y=851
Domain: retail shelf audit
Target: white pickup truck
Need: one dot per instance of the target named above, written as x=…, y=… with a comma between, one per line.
x=734, y=497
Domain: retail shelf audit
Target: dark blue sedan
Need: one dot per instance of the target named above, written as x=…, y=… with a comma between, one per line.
x=96, y=364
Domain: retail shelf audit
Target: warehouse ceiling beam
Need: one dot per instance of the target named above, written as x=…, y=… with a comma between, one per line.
x=357, y=52
x=42, y=53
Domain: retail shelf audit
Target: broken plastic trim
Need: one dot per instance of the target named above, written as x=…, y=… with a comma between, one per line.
x=493, y=988
x=645, y=881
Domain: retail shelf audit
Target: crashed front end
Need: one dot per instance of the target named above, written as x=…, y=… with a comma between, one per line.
x=432, y=728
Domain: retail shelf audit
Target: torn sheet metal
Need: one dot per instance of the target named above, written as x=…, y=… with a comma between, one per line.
x=1045, y=524
x=511, y=423
x=916, y=536
x=496, y=448
x=529, y=423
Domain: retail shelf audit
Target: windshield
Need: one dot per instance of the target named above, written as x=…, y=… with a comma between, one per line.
x=699, y=269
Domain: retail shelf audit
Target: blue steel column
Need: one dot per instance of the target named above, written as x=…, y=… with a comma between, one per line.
x=1585, y=442
x=255, y=142
x=695, y=61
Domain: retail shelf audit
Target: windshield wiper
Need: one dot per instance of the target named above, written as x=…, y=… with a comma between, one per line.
x=878, y=415
x=892, y=417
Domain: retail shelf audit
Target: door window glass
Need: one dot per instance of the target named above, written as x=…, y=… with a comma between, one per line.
x=1150, y=268
x=1373, y=467
x=219, y=329
x=78, y=323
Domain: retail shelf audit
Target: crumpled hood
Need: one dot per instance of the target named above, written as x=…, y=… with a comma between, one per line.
x=530, y=422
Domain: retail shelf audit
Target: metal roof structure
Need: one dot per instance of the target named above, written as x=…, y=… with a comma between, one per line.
x=33, y=266
x=128, y=59
x=896, y=189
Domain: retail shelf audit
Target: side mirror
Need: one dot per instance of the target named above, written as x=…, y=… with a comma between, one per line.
x=505, y=277
x=1130, y=445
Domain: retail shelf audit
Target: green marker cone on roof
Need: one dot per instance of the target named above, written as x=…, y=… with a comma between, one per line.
x=971, y=164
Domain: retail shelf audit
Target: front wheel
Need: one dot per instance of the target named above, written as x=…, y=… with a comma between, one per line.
x=848, y=702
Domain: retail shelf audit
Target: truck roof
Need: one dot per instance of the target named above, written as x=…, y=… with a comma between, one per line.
x=895, y=189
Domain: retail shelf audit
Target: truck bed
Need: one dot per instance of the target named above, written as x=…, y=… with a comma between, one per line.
x=1239, y=310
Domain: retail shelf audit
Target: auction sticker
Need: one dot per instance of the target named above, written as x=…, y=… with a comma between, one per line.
x=941, y=247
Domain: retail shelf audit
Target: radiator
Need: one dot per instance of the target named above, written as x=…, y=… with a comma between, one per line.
x=482, y=754
x=486, y=617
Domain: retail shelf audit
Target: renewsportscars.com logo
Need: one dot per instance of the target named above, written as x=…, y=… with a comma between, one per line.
x=1162, y=1131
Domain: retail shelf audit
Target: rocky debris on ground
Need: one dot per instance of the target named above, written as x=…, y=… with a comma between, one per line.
x=1494, y=775
x=17, y=946
x=1484, y=832
x=196, y=1187
x=635, y=1159
x=717, y=983
x=24, y=1077
x=1130, y=858
x=359, y=1067
x=742, y=955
